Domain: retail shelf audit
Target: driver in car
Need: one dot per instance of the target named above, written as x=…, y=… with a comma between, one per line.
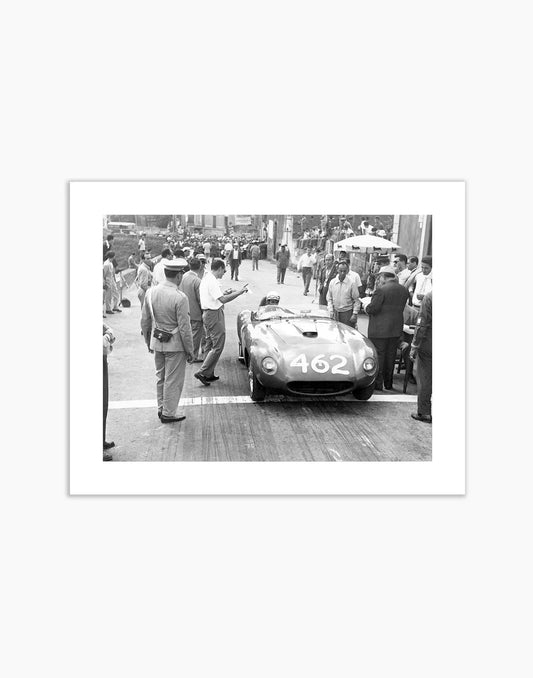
x=270, y=299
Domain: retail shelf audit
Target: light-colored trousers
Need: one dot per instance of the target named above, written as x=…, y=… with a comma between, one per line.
x=109, y=297
x=198, y=335
x=141, y=294
x=215, y=338
x=170, y=373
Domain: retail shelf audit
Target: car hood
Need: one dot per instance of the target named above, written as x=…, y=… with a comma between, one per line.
x=299, y=331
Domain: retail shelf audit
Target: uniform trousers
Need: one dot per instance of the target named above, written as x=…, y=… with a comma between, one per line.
x=424, y=381
x=386, y=349
x=215, y=338
x=170, y=373
x=198, y=335
x=281, y=274
x=255, y=264
x=307, y=274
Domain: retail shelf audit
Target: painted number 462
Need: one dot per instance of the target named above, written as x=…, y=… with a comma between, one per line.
x=320, y=364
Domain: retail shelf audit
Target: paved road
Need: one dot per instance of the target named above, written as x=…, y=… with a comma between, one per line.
x=223, y=424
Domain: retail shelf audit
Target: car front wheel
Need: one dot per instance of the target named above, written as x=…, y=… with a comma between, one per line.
x=257, y=392
x=364, y=393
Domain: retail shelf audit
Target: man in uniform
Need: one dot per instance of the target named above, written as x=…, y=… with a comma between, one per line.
x=167, y=309
x=385, y=325
x=212, y=301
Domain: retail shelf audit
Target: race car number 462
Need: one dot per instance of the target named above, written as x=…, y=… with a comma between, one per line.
x=320, y=365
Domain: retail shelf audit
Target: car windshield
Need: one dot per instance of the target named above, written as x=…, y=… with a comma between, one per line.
x=282, y=312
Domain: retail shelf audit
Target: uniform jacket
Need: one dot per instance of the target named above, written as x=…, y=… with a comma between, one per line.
x=171, y=310
x=386, y=311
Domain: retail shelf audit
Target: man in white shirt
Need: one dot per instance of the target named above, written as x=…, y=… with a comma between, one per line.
x=228, y=248
x=142, y=244
x=158, y=274
x=423, y=282
x=343, y=297
x=212, y=300
x=400, y=266
x=305, y=265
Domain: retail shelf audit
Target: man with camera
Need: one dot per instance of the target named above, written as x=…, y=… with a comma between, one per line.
x=167, y=331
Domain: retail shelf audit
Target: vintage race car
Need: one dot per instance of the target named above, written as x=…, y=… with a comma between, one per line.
x=303, y=352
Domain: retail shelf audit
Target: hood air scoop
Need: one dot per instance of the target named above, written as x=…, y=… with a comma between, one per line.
x=307, y=328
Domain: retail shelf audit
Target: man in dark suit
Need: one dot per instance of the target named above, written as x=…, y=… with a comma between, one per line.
x=422, y=352
x=385, y=326
x=234, y=258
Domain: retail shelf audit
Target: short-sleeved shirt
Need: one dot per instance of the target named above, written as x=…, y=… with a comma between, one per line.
x=210, y=292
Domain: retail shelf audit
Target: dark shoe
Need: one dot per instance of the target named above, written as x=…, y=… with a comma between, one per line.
x=213, y=378
x=426, y=418
x=389, y=388
x=203, y=379
x=108, y=456
x=170, y=420
x=110, y=312
x=412, y=380
x=378, y=388
x=117, y=310
x=108, y=446
x=198, y=360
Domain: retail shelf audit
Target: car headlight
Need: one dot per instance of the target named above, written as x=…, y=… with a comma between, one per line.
x=369, y=364
x=269, y=365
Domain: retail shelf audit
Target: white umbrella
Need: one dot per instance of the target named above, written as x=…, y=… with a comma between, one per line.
x=365, y=243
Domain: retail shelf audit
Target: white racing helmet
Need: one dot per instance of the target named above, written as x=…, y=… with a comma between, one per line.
x=272, y=298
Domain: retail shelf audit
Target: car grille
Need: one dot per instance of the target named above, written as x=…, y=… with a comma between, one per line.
x=319, y=387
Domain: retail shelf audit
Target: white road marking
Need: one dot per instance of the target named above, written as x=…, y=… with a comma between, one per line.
x=334, y=453
x=246, y=400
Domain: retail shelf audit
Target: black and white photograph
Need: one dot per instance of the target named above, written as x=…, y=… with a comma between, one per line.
x=273, y=337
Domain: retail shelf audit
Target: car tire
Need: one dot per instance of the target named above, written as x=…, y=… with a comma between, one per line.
x=257, y=392
x=364, y=393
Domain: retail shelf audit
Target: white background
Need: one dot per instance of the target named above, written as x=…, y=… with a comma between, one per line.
x=195, y=587
x=445, y=201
